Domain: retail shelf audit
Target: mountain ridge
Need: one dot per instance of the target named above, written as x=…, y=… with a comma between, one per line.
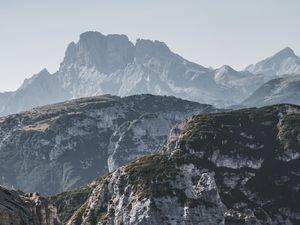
x=58, y=147
x=284, y=90
x=100, y=64
x=284, y=62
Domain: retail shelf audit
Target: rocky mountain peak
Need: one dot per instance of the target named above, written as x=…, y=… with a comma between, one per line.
x=106, y=53
x=109, y=53
x=45, y=71
x=100, y=64
x=285, y=53
x=39, y=77
x=151, y=48
x=225, y=75
x=284, y=62
x=226, y=69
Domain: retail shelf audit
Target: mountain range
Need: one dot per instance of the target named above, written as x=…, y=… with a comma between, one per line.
x=109, y=139
x=111, y=64
x=227, y=168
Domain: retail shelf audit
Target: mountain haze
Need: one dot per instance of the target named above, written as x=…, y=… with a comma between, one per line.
x=111, y=64
x=280, y=90
x=99, y=64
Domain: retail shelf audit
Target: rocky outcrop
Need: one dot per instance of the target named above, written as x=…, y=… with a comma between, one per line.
x=59, y=147
x=153, y=190
x=18, y=208
x=239, y=167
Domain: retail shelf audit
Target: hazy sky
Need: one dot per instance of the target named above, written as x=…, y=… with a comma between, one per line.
x=34, y=33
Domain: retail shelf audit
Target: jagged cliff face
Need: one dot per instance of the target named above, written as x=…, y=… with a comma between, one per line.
x=99, y=64
x=18, y=208
x=63, y=146
x=153, y=190
x=239, y=167
x=111, y=64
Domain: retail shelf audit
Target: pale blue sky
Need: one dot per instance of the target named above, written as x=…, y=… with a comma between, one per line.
x=35, y=33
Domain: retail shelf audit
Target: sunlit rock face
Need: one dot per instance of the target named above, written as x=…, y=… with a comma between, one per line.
x=153, y=190
x=63, y=146
x=239, y=167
